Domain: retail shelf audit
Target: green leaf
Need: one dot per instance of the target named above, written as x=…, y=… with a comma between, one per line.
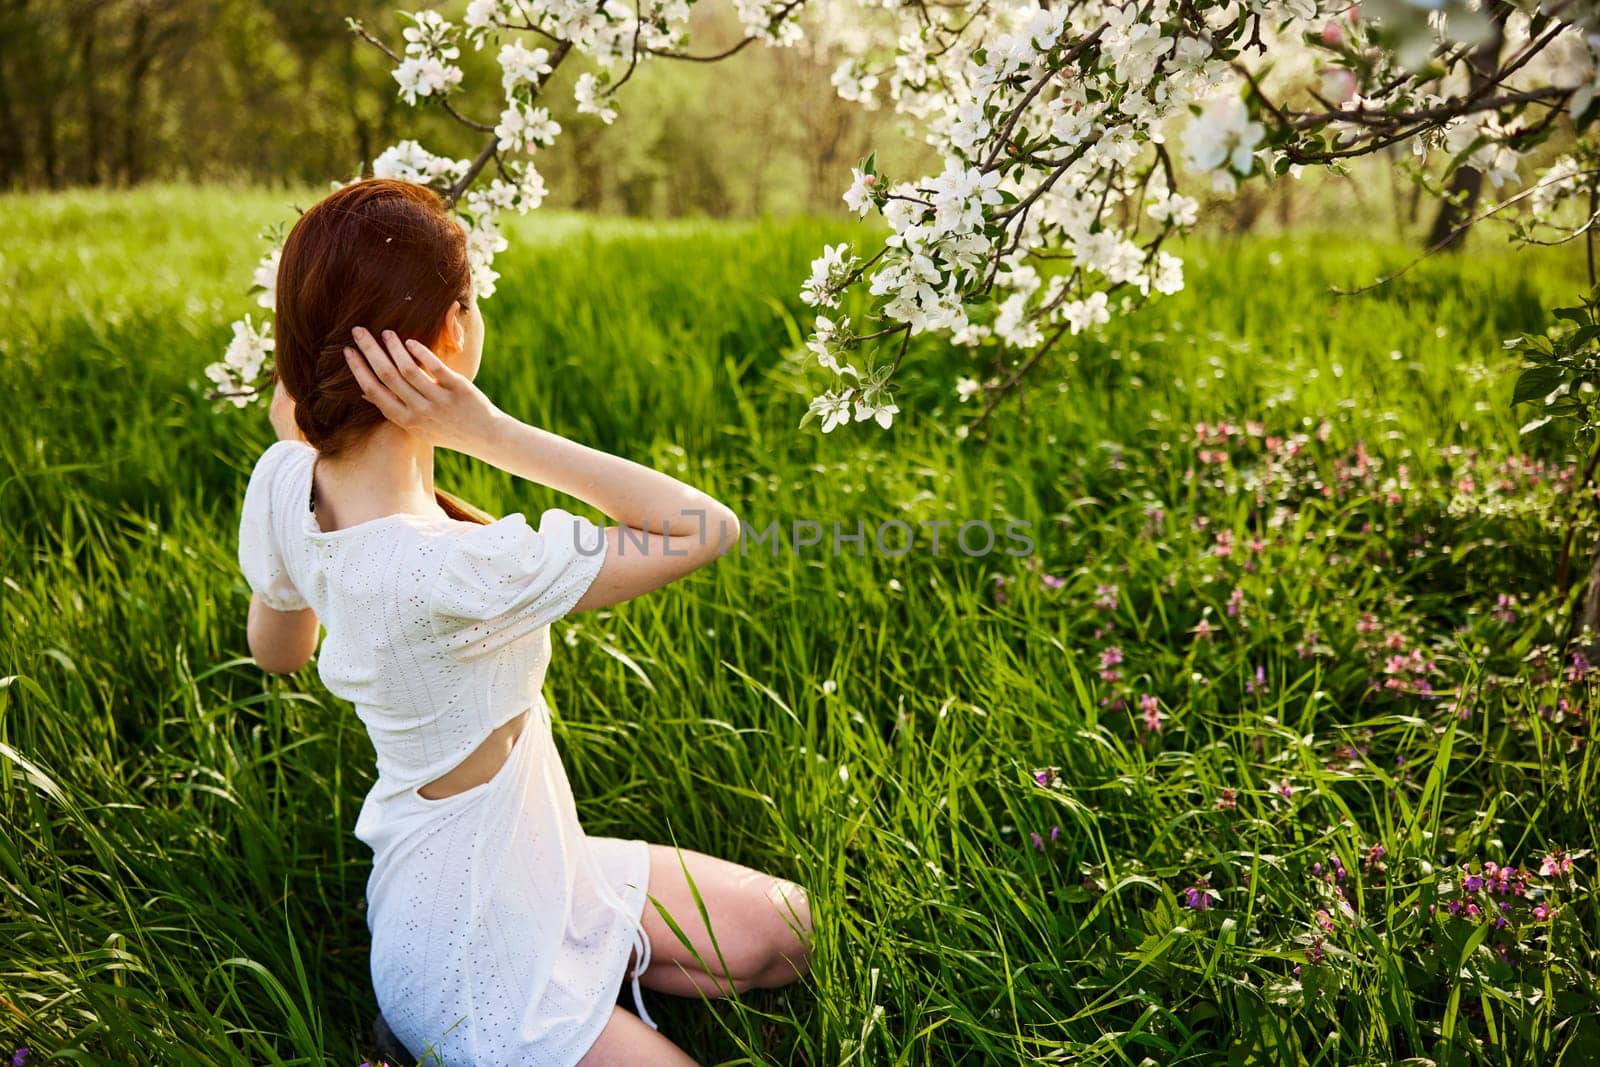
x=1535, y=383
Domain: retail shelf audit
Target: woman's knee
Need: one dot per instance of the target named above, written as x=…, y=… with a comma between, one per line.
x=788, y=954
x=793, y=906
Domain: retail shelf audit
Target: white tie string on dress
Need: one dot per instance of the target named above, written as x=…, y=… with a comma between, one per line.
x=644, y=961
x=641, y=947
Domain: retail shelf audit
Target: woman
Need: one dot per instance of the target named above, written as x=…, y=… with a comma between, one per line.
x=501, y=932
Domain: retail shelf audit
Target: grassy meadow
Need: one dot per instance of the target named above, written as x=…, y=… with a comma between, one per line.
x=1268, y=752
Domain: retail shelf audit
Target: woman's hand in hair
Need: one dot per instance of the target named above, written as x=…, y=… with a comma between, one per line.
x=421, y=394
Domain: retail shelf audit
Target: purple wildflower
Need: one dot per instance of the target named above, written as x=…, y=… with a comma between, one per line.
x=1558, y=862
x=1198, y=896
x=1504, y=609
x=1150, y=707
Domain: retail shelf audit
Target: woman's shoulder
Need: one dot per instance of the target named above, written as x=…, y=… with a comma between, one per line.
x=513, y=542
x=279, y=455
x=501, y=580
x=285, y=447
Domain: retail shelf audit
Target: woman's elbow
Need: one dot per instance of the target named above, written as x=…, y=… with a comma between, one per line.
x=274, y=661
x=269, y=665
x=280, y=642
x=729, y=526
x=715, y=539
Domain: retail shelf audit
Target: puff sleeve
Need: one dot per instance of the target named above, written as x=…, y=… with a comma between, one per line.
x=504, y=580
x=260, y=555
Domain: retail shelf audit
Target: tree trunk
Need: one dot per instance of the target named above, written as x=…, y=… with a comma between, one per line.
x=589, y=166
x=47, y=141
x=12, y=163
x=133, y=97
x=91, y=98
x=1449, y=225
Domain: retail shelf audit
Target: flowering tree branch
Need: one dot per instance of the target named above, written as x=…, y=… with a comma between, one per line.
x=1060, y=127
x=613, y=36
x=1046, y=116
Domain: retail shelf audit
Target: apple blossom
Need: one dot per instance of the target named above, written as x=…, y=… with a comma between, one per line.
x=1056, y=183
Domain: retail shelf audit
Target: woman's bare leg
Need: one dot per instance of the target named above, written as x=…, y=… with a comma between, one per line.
x=626, y=1041
x=761, y=925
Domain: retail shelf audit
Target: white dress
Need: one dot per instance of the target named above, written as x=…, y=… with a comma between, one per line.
x=500, y=930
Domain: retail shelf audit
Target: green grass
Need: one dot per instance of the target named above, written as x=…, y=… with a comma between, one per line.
x=179, y=882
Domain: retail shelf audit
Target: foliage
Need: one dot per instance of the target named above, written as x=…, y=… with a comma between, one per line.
x=280, y=93
x=1282, y=666
x=1561, y=370
x=1058, y=188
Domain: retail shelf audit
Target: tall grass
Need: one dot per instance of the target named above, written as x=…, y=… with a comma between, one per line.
x=1261, y=688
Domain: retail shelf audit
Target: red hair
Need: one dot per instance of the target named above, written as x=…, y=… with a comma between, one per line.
x=377, y=253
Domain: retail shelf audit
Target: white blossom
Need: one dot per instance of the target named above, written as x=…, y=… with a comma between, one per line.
x=833, y=408
x=1167, y=276
x=1080, y=315
x=877, y=408
x=827, y=272
x=520, y=65
x=1175, y=208
x=587, y=94
x=859, y=196
x=409, y=161
x=482, y=16
x=758, y=17
x=484, y=241
x=521, y=127
x=1222, y=135
x=852, y=81
x=247, y=352
x=1049, y=149
x=425, y=76
x=266, y=276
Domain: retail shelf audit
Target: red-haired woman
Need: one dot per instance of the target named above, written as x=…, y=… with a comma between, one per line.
x=501, y=933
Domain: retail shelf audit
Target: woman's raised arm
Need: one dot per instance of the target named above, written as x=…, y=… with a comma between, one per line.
x=667, y=528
